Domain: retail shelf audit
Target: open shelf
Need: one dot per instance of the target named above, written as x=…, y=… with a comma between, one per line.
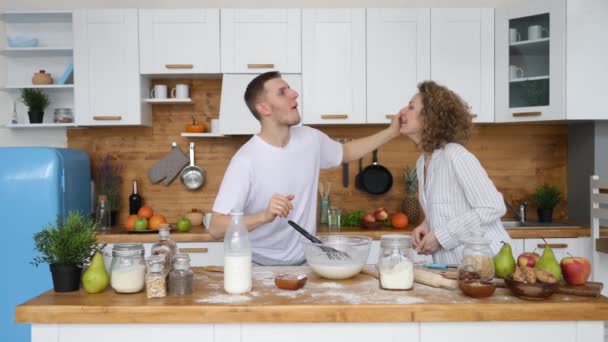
x=529, y=42
x=40, y=86
x=41, y=125
x=202, y=135
x=38, y=51
x=169, y=101
x=525, y=79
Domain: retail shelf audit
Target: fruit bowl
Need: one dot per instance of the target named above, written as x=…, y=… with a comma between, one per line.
x=477, y=288
x=531, y=291
x=323, y=264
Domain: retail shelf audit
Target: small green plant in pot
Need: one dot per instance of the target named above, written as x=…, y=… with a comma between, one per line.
x=36, y=101
x=66, y=247
x=546, y=198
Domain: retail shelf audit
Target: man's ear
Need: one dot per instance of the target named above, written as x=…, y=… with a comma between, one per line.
x=263, y=108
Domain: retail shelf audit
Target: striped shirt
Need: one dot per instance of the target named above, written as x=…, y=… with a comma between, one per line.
x=457, y=198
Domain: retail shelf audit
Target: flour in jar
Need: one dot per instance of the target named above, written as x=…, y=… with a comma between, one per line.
x=129, y=280
x=343, y=271
x=397, y=277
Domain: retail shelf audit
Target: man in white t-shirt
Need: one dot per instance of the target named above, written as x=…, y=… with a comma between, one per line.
x=274, y=176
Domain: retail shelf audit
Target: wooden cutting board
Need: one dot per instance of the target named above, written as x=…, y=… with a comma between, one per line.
x=590, y=289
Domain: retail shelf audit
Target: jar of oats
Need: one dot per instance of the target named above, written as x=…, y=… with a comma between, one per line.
x=478, y=255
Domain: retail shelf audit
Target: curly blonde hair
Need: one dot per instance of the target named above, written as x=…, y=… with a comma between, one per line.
x=445, y=117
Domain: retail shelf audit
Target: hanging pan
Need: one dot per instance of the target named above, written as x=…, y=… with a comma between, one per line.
x=375, y=178
x=192, y=176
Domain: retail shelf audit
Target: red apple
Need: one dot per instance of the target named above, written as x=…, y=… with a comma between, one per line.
x=527, y=259
x=576, y=270
x=369, y=218
x=381, y=214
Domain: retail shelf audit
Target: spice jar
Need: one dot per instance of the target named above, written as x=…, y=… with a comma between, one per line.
x=63, y=115
x=181, y=279
x=128, y=269
x=396, y=264
x=478, y=256
x=156, y=279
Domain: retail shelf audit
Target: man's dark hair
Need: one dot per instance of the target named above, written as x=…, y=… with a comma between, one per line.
x=255, y=89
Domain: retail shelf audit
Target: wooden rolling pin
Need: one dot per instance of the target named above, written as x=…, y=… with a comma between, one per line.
x=433, y=279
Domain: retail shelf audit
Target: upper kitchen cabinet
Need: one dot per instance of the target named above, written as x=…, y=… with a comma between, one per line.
x=398, y=58
x=106, y=64
x=462, y=56
x=530, y=61
x=259, y=40
x=179, y=41
x=333, y=66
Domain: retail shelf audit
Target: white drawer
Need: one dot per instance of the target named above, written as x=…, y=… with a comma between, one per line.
x=203, y=253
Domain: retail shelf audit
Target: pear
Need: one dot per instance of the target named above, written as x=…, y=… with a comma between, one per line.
x=549, y=263
x=504, y=263
x=95, y=279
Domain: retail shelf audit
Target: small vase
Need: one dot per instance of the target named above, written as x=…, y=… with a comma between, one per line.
x=545, y=215
x=42, y=77
x=35, y=116
x=66, y=278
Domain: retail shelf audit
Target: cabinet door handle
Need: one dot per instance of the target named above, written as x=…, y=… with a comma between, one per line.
x=520, y=114
x=107, y=117
x=473, y=115
x=179, y=66
x=334, y=116
x=194, y=250
x=260, y=66
x=390, y=116
x=553, y=245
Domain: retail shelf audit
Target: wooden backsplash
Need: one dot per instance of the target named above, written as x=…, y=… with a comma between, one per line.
x=518, y=158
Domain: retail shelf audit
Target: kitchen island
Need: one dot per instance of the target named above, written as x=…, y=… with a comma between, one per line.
x=352, y=310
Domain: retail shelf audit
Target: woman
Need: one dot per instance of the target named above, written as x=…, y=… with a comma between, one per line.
x=455, y=192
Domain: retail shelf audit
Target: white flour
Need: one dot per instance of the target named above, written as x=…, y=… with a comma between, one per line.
x=224, y=298
x=397, y=277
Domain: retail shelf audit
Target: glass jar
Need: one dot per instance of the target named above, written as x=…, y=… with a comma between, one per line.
x=396, y=264
x=164, y=239
x=128, y=270
x=477, y=255
x=102, y=214
x=181, y=279
x=63, y=115
x=156, y=279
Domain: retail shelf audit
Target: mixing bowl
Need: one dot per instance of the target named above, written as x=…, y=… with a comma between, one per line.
x=327, y=265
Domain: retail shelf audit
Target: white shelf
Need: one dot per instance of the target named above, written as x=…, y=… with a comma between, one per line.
x=525, y=79
x=530, y=42
x=36, y=12
x=38, y=50
x=168, y=101
x=203, y=135
x=40, y=86
x=41, y=125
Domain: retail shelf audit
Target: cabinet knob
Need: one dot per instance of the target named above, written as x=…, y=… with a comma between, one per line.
x=334, y=116
x=260, y=66
x=520, y=114
x=107, y=117
x=179, y=66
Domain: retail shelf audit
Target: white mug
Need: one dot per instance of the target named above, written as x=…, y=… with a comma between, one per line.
x=514, y=35
x=536, y=32
x=159, y=92
x=207, y=219
x=215, y=125
x=180, y=91
x=515, y=72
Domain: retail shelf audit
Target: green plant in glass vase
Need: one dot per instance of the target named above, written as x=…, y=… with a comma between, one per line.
x=546, y=198
x=109, y=182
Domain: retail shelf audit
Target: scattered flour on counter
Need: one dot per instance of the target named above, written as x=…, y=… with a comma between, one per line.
x=330, y=285
x=225, y=298
x=213, y=286
x=290, y=294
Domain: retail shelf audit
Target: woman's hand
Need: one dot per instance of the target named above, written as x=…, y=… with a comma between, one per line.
x=419, y=232
x=279, y=205
x=428, y=245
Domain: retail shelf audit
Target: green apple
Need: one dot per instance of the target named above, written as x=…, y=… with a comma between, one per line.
x=141, y=223
x=184, y=224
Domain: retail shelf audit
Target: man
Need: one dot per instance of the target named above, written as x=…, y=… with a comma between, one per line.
x=274, y=176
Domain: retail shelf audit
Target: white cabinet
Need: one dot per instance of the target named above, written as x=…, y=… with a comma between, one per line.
x=235, y=117
x=462, y=56
x=106, y=64
x=398, y=58
x=333, y=66
x=258, y=40
x=178, y=41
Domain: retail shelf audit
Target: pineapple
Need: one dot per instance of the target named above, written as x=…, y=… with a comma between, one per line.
x=410, y=206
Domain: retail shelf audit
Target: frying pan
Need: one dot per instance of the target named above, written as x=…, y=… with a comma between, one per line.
x=375, y=178
x=192, y=176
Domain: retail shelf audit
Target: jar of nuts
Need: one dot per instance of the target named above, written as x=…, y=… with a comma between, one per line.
x=478, y=256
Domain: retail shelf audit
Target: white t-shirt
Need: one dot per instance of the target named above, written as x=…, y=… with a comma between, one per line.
x=259, y=170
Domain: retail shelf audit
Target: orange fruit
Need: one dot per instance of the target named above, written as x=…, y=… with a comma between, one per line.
x=130, y=222
x=145, y=211
x=399, y=220
x=156, y=220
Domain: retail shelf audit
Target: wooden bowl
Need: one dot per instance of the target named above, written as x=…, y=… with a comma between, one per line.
x=290, y=281
x=477, y=288
x=536, y=291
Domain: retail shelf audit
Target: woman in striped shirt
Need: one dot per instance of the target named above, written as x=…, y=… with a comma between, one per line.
x=456, y=194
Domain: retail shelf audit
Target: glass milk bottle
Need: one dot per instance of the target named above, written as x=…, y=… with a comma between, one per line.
x=237, y=256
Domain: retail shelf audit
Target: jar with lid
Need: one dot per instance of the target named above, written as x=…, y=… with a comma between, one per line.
x=63, y=115
x=396, y=264
x=156, y=279
x=181, y=278
x=165, y=242
x=477, y=256
x=128, y=270
x=237, y=256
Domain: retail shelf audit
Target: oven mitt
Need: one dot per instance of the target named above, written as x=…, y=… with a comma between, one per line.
x=168, y=167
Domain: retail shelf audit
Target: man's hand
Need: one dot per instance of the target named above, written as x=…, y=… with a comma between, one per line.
x=418, y=233
x=280, y=206
x=428, y=245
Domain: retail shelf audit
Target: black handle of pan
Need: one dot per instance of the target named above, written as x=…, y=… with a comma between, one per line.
x=375, y=158
x=304, y=232
x=345, y=175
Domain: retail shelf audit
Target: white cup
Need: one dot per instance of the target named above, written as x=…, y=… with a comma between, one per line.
x=536, y=32
x=514, y=35
x=180, y=91
x=215, y=125
x=159, y=92
x=207, y=219
x=515, y=72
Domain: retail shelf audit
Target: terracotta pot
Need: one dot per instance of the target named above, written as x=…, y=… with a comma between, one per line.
x=196, y=217
x=42, y=77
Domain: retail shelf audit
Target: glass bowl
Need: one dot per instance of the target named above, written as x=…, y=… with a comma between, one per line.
x=330, y=266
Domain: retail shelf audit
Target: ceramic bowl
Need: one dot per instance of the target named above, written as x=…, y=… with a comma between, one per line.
x=536, y=291
x=327, y=265
x=19, y=41
x=477, y=288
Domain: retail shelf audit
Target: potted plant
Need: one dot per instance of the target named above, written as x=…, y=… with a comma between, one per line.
x=66, y=247
x=109, y=182
x=546, y=198
x=36, y=101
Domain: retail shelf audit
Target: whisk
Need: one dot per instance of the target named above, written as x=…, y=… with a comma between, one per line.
x=331, y=252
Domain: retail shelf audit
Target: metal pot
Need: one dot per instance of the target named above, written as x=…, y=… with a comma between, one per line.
x=192, y=176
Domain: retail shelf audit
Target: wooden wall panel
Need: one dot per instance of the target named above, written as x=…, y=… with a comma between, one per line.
x=518, y=157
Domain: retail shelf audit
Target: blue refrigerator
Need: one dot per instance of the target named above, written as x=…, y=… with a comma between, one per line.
x=36, y=184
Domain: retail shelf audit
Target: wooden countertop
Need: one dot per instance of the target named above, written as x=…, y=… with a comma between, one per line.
x=358, y=299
